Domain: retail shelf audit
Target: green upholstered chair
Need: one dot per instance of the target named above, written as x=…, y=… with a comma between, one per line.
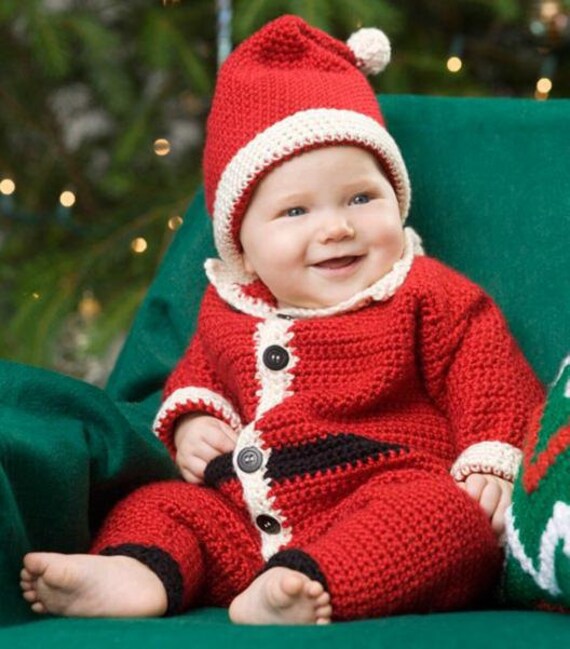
x=491, y=197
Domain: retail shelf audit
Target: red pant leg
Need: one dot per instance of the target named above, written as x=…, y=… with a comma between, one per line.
x=406, y=542
x=201, y=546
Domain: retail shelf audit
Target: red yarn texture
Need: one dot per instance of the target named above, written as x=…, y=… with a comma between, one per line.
x=433, y=368
x=427, y=373
x=282, y=69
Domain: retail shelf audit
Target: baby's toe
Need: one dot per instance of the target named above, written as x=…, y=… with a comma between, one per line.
x=25, y=575
x=323, y=611
x=314, y=589
x=30, y=596
x=291, y=584
x=323, y=599
x=38, y=607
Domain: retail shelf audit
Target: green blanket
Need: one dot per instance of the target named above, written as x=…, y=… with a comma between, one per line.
x=490, y=197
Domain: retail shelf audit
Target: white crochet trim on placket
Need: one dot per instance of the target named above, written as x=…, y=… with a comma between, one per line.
x=274, y=388
x=184, y=396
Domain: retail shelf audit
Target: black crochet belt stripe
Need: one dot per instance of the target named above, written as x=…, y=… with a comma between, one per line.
x=330, y=452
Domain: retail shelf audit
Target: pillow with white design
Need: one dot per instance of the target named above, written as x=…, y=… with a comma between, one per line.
x=537, y=567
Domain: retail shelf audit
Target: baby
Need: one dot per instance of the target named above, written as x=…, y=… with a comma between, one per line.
x=349, y=413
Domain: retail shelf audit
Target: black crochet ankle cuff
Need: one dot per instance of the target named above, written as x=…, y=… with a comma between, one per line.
x=161, y=563
x=299, y=561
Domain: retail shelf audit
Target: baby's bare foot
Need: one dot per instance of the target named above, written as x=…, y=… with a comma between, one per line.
x=84, y=585
x=282, y=596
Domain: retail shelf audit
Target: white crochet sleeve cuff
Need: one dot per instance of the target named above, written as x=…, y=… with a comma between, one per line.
x=496, y=458
x=193, y=399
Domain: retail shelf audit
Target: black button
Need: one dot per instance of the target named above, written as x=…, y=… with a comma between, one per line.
x=268, y=524
x=275, y=357
x=250, y=459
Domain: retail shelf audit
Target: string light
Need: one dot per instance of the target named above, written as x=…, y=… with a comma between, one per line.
x=139, y=245
x=544, y=85
x=175, y=222
x=549, y=10
x=454, y=64
x=161, y=147
x=67, y=198
x=456, y=50
x=89, y=306
x=7, y=186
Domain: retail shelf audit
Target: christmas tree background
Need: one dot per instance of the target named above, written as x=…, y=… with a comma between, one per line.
x=102, y=110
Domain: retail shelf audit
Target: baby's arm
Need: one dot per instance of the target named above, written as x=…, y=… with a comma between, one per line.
x=195, y=388
x=198, y=439
x=494, y=494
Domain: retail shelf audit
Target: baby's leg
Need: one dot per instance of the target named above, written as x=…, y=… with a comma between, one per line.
x=282, y=596
x=410, y=542
x=174, y=533
x=83, y=585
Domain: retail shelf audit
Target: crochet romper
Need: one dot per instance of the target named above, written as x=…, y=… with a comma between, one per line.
x=353, y=425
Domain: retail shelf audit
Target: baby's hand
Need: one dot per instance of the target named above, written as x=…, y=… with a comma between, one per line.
x=199, y=439
x=494, y=494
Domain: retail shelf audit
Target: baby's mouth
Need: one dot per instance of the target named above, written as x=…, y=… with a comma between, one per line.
x=338, y=262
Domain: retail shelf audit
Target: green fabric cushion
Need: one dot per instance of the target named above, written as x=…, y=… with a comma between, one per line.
x=66, y=454
x=489, y=198
x=210, y=629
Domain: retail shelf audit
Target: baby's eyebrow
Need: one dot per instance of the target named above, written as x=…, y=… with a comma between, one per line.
x=362, y=182
x=292, y=199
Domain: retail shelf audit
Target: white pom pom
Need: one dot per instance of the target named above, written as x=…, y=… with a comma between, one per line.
x=371, y=48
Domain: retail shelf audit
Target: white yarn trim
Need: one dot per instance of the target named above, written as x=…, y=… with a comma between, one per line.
x=372, y=49
x=496, y=458
x=192, y=396
x=557, y=529
x=295, y=133
x=274, y=389
x=275, y=385
x=228, y=284
x=565, y=364
x=256, y=489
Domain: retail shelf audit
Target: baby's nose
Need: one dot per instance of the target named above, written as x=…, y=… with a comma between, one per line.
x=336, y=229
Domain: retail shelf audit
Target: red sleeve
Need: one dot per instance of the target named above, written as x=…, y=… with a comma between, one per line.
x=477, y=374
x=193, y=387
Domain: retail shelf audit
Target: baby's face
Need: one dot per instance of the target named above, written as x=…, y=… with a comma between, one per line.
x=322, y=227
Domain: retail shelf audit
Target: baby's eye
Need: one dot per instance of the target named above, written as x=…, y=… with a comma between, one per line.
x=295, y=211
x=359, y=199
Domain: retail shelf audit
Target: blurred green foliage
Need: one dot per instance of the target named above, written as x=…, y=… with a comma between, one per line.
x=86, y=87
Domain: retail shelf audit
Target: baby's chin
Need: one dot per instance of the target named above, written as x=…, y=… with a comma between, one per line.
x=324, y=303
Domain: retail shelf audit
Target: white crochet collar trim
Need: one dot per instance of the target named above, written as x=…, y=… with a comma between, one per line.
x=229, y=285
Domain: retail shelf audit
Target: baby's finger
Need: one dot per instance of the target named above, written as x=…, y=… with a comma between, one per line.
x=474, y=485
x=490, y=498
x=193, y=470
x=206, y=451
x=222, y=439
x=498, y=522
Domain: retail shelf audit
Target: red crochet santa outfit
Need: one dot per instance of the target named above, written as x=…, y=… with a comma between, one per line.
x=349, y=418
x=348, y=428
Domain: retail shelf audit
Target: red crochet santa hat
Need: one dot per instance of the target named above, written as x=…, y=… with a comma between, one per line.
x=287, y=89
